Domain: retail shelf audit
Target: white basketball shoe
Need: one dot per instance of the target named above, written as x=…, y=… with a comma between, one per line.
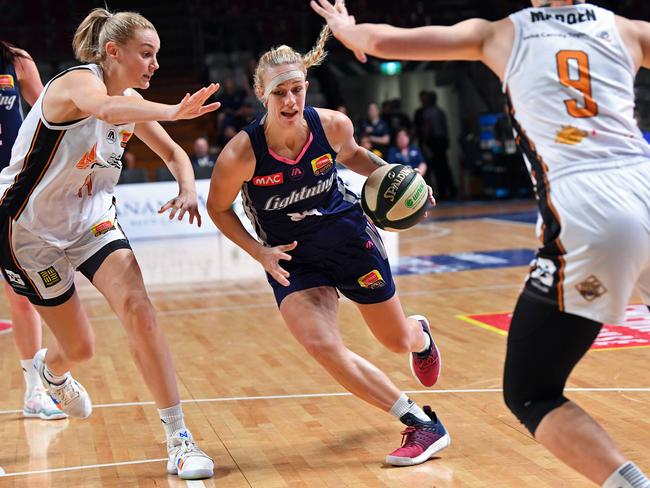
x=38, y=404
x=186, y=459
x=70, y=396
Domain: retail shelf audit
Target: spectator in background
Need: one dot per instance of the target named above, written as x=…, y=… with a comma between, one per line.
x=419, y=125
x=343, y=109
x=231, y=97
x=366, y=143
x=396, y=119
x=405, y=153
x=201, y=157
x=437, y=140
x=375, y=128
x=244, y=116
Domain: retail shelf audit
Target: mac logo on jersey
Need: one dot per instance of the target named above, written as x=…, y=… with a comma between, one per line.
x=111, y=136
x=269, y=180
x=322, y=164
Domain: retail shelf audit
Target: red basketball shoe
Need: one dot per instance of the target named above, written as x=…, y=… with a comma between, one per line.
x=426, y=365
x=420, y=441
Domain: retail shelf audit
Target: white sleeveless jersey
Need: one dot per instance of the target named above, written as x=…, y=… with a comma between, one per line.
x=60, y=180
x=570, y=85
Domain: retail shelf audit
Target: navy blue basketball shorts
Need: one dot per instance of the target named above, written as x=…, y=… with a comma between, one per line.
x=357, y=267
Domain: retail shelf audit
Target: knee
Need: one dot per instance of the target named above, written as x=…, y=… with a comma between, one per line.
x=140, y=314
x=325, y=351
x=83, y=348
x=529, y=409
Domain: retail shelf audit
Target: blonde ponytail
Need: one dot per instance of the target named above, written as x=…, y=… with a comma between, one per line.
x=99, y=27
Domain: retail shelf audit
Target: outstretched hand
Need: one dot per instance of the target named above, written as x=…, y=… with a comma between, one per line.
x=192, y=105
x=337, y=18
x=184, y=203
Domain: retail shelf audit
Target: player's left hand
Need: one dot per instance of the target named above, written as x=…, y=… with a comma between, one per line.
x=338, y=19
x=185, y=202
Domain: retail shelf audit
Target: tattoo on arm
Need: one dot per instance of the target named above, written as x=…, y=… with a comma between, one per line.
x=374, y=159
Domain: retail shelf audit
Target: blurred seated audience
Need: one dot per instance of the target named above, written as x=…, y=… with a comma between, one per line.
x=376, y=128
x=406, y=153
x=201, y=157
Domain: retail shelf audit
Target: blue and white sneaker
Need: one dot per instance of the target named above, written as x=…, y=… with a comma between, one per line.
x=38, y=404
x=186, y=459
x=70, y=396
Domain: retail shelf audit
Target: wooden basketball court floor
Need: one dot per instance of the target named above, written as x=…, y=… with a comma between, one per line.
x=271, y=417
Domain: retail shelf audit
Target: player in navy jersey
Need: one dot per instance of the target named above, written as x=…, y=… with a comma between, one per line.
x=284, y=163
x=568, y=69
x=19, y=79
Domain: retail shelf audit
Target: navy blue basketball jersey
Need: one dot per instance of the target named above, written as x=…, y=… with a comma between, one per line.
x=11, y=115
x=294, y=200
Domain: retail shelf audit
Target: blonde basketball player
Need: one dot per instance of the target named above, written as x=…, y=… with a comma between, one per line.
x=315, y=240
x=57, y=213
x=568, y=68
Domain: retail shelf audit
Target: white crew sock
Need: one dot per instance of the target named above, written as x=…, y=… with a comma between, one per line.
x=172, y=419
x=627, y=476
x=405, y=405
x=30, y=374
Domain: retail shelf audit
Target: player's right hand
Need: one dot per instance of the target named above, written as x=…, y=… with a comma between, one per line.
x=192, y=105
x=270, y=257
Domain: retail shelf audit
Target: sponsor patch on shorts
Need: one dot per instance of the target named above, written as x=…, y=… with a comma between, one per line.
x=372, y=280
x=591, y=288
x=50, y=277
x=102, y=228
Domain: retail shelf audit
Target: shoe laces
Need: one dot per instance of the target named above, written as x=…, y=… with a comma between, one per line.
x=428, y=360
x=187, y=448
x=67, y=391
x=416, y=436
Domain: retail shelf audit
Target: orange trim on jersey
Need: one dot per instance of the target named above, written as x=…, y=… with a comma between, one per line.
x=13, y=256
x=40, y=177
x=31, y=149
x=560, y=282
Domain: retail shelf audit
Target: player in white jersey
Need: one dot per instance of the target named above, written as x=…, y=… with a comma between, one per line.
x=569, y=69
x=57, y=213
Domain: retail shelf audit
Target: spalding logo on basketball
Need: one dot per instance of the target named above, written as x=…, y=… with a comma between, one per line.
x=395, y=197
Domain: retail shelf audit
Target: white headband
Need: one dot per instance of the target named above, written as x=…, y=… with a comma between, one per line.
x=281, y=78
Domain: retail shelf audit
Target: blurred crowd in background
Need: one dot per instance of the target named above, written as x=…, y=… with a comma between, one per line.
x=447, y=118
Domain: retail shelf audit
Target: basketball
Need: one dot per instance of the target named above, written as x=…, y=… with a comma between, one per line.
x=395, y=197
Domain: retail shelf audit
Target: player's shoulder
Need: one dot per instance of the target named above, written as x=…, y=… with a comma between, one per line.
x=337, y=126
x=238, y=149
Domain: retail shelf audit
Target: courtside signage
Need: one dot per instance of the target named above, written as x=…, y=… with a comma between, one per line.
x=633, y=332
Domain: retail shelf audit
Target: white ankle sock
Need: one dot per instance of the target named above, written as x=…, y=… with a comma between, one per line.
x=172, y=419
x=405, y=405
x=53, y=378
x=427, y=343
x=627, y=476
x=30, y=374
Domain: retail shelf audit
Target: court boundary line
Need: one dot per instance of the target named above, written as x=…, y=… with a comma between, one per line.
x=346, y=394
x=81, y=467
